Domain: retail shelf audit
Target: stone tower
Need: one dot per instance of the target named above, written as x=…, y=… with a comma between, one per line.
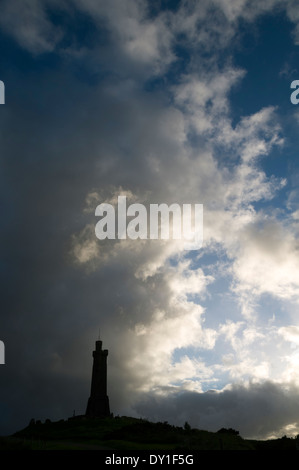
x=98, y=402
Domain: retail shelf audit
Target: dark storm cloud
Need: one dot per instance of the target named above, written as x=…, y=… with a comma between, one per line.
x=255, y=410
x=60, y=140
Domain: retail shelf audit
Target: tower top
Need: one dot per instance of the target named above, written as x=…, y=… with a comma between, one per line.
x=98, y=345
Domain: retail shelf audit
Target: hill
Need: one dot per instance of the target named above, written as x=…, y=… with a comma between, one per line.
x=132, y=434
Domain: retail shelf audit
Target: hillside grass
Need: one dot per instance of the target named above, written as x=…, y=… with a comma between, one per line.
x=127, y=433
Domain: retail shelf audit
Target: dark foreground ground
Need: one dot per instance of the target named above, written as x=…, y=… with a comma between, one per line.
x=131, y=434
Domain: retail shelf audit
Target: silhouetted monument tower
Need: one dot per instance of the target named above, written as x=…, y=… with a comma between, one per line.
x=98, y=402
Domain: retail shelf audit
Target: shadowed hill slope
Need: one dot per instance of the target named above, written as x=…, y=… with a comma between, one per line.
x=125, y=433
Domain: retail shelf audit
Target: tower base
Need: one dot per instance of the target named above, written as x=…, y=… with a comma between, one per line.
x=98, y=407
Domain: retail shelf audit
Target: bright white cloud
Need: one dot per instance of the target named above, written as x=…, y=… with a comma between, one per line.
x=268, y=261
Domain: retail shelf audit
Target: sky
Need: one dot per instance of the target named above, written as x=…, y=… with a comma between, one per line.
x=185, y=102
